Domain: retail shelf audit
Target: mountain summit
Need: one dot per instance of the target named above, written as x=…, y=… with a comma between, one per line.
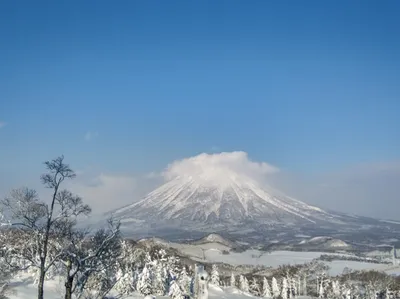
x=216, y=194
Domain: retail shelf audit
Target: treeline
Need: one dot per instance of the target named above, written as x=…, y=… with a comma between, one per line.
x=335, y=257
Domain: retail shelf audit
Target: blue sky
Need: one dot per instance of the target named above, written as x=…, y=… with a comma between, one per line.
x=308, y=86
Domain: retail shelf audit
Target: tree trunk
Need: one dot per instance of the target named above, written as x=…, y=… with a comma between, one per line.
x=68, y=287
x=41, y=284
x=69, y=281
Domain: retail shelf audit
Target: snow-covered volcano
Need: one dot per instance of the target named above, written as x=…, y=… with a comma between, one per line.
x=208, y=189
x=226, y=193
x=187, y=198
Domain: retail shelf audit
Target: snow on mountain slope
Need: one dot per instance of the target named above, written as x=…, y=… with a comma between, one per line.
x=224, y=198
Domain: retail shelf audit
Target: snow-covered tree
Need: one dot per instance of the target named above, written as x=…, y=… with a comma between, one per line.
x=336, y=289
x=233, y=280
x=160, y=280
x=294, y=286
x=91, y=259
x=144, y=284
x=45, y=222
x=254, y=287
x=124, y=285
x=346, y=292
x=289, y=286
x=172, y=266
x=276, y=292
x=266, y=290
x=324, y=289
x=241, y=281
x=284, y=293
x=175, y=291
x=214, y=275
x=243, y=284
x=321, y=293
x=184, y=281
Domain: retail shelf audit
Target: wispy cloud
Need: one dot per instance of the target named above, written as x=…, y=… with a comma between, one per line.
x=2, y=124
x=105, y=192
x=215, y=167
x=91, y=135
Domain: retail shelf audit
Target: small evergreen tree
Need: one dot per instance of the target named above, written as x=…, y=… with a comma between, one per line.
x=233, y=281
x=284, y=293
x=266, y=290
x=321, y=293
x=246, y=287
x=172, y=266
x=215, y=275
x=144, y=284
x=124, y=285
x=276, y=292
x=175, y=292
x=243, y=284
x=294, y=286
x=160, y=281
x=336, y=289
x=184, y=281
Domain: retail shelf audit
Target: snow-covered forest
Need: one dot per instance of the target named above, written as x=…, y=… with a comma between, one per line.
x=40, y=239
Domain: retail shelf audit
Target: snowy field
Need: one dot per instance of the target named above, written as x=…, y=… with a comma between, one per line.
x=26, y=290
x=277, y=258
x=213, y=253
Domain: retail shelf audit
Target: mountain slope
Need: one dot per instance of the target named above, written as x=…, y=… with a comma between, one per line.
x=238, y=199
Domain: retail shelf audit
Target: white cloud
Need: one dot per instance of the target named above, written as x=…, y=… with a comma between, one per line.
x=105, y=192
x=2, y=124
x=216, y=167
x=91, y=135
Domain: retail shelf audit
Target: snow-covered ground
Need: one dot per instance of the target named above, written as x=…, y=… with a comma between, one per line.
x=256, y=257
x=277, y=258
x=24, y=289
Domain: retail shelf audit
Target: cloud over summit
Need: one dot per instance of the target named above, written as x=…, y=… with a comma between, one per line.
x=216, y=166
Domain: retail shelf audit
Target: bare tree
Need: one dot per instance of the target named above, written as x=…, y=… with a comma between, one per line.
x=87, y=258
x=45, y=223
